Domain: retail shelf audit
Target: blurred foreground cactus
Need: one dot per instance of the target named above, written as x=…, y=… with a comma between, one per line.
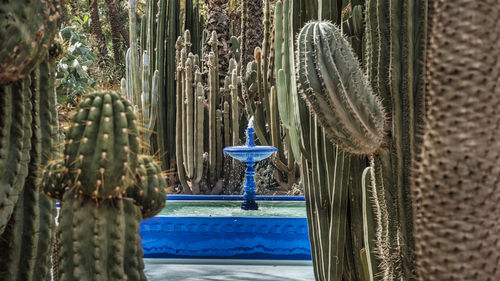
x=27, y=29
x=456, y=172
x=107, y=188
x=28, y=122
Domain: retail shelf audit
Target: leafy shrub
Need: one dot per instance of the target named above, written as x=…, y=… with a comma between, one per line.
x=73, y=79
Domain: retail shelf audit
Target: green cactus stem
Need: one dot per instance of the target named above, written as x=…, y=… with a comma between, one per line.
x=190, y=117
x=95, y=239
x=98, y=231
x=12, y=124
x=102, y=146
x=330, y=77
x=149, y=191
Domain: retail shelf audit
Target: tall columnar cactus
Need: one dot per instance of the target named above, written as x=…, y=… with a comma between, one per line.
x=456, y=191
x=12, y=112
x=147, y=100
x=27, y=28
x=105, y=197
x=190, y=117
x=26, y=239
x=394, y=47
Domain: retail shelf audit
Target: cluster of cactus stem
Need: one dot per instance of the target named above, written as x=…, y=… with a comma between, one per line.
x=341, y=233
x=219, y=104
x=410, y=156
x=106, y=188
x=151, y=65
x=29, y=122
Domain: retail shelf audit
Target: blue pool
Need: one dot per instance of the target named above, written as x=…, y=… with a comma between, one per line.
x=213, y=227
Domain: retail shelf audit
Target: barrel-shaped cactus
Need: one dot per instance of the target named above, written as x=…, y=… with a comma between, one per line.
x=337, y=92
x=105, y=191
x=26, y=28
x=102, y=146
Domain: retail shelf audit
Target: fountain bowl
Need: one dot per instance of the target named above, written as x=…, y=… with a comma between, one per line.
x=250, y=153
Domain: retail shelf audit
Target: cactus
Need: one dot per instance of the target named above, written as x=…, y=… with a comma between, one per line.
x=99, y=241
x=336, y=90
x=26, y=239
x=148, y=192
x=28, y=27
x=102, y=146
x=455, y=174
x=11, y=150
x=105, y=192
x=190, y=117
x=395, y=76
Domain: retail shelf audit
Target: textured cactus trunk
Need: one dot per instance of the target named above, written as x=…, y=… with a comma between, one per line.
x=456, y=173
x=28, y=28
x=26, y=241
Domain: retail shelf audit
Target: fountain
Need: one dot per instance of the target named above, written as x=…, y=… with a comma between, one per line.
x=215, y=226
x=250, y=154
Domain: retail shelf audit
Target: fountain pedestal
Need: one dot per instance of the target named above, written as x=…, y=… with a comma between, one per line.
x=250, y=154
x=249, y=188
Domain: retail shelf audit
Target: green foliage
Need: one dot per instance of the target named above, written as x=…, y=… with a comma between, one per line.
x=73, y=79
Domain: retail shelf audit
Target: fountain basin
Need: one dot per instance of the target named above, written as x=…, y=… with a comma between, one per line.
x=214, y=227
x=250, y=153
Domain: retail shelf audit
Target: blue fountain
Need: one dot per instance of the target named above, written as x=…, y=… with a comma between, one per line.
x=250, y=154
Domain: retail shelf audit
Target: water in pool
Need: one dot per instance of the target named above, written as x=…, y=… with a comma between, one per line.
x=232, y=208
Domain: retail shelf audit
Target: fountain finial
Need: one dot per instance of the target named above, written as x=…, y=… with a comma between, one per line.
x=250, y=122
x=250, y=131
